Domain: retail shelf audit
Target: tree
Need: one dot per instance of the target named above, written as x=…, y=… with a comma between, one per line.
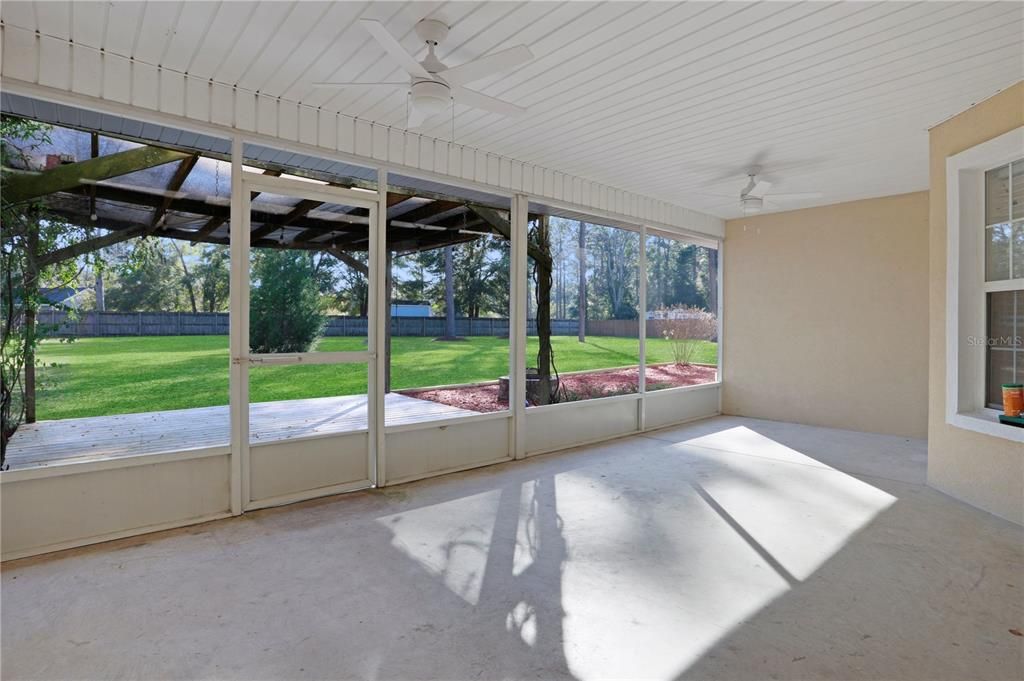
x=421, y=270
x=684, y=285
x=213, y=276
x=285, y=311
x=449, y=294
x=481, y=277
x=148, y=279
x=616, y=252
x=581, y=272
x=680, y=274
x=354, y=289
x=539, y=238
x=29, y=231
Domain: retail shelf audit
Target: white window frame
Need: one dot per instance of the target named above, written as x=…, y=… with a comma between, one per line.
x=966, y=288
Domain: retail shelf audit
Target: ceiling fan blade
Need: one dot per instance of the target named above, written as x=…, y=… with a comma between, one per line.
x=722, y=175
x=479, y=100
x=485, y=66
x=340, y=85
x=758, y=159
x=395, y=49
x=759, y=189
x=796, y=196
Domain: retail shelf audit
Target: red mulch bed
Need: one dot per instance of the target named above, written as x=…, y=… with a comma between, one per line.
x=484, y=398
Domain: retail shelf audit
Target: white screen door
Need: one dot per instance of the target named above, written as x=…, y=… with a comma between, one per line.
x=305, y=347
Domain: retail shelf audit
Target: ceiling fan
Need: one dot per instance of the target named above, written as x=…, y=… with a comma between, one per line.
x=432, y=85
x=753, y=196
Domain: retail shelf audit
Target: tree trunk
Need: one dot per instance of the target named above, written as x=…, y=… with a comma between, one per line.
x=187, y=279
x=713, y=281
x=101, y=299
x=543, y=313
x=582, y=305
x=449, y=293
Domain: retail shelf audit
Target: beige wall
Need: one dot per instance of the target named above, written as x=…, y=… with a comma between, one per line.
x=826, y=318
x=979, y=469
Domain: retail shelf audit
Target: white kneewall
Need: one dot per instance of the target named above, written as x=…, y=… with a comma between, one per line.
x=77, y=504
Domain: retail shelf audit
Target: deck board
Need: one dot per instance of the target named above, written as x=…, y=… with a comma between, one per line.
x=102, y=437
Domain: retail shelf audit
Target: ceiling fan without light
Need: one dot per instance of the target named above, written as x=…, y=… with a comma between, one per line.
x=432, y=85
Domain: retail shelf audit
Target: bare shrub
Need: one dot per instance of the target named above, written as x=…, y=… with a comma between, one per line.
x=686, y=329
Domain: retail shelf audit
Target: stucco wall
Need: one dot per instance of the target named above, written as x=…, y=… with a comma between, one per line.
x=979, y=469
x=826, y=321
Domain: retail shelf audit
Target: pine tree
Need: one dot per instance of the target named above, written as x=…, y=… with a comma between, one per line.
x=285, y=310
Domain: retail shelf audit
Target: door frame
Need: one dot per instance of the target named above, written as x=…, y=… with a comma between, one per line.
x=243, y=184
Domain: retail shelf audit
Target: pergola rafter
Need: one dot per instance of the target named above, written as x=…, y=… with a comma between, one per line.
x=178, y=179
x=26, y=185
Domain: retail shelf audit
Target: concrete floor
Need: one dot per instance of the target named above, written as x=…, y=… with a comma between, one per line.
x=725, y=549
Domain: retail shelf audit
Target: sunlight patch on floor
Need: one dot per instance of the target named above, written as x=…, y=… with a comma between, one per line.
x=455, y=554
x=740, y=531
x=684, y=544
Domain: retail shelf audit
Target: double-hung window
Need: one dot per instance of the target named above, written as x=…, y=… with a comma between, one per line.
x=984, y=282
x=1004, y=278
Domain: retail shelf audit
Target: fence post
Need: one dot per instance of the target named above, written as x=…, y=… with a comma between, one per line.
x=140, y=324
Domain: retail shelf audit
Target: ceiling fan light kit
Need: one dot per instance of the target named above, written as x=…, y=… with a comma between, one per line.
x=752, y=205
x=430, y=96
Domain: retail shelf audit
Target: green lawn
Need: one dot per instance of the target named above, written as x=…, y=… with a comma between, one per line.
x=99, y=376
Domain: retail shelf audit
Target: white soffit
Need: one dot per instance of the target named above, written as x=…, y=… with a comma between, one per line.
x=661, y=99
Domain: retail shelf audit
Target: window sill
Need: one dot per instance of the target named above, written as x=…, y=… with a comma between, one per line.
x=986, y=421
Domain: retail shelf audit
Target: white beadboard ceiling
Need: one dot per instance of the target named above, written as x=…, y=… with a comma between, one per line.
x=663, y=99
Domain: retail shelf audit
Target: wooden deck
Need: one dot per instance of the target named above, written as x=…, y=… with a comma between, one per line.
x=103, y=437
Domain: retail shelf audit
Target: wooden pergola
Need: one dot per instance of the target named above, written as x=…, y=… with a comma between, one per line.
x=93, y=194
x=89, y=194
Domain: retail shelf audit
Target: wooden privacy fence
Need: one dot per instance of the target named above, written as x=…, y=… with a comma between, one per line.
x=627, y=328
x=55, y=323
x=95, y=324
